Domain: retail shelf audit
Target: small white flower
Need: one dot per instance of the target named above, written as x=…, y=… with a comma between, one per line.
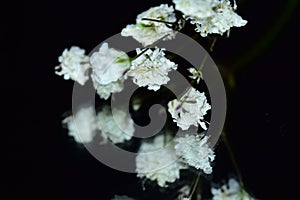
x=151, y=69
x=195, y=151
x=123, y=197
x=108, y=68
x=146, y=31
x=196, y=74
x=83, y=127
x=190, y=109
x=195, y=8
x=115, y=124
x=223, y=19
x=232, y=191
x=157, y=164
x=73, y=65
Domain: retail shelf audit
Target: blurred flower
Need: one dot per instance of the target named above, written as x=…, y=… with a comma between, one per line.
x=123, y=197
x=83, y=127
x=190, y=109
x=151, y=69
x=195, y=151
x=147, y=31
x=232, y=191
x=108, y=68
x=73, y=65
x=221, y=22
x=115, y=124
x=155, y=163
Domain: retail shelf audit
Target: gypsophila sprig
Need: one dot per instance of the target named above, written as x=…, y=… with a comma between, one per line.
x=190, y=109
x=108, y=68
x=151, y=69
x=158, y=164
x=74, y=64
x=194, y=151
x=148, y=32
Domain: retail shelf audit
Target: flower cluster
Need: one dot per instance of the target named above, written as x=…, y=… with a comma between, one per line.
x=159, y=160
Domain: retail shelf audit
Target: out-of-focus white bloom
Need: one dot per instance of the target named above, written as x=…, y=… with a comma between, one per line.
x=190, y=109
x=195, y=151
x=146, y=31
x=115, y=124
x=223, y=19
x=151, y=69
x=196, y=74
x=123, y=197
x=108, y=68
x=73, y=65
x=196, y=9
x=232, y=191
x=157, y=164
x=83, y=126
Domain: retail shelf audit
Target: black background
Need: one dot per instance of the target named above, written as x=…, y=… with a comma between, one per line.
x=41, y=161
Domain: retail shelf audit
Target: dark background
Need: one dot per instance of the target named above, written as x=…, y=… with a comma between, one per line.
x=41, y=161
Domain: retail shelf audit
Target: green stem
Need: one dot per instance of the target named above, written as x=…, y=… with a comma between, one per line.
x=156, y=20
x=195, y=185
x=232, y=158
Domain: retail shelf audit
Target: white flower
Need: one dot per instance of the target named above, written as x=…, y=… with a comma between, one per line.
x=232, y=191
x=190, y=109
x=195, y=151
x=123, y=197
x=151, y=69
x=146, y=31
x=108, y=68
x=196, y=74
x=83, y=127
x=115, y=125
x=195, y=8
x=73, y=65
x=157, y=164
x=221, y=22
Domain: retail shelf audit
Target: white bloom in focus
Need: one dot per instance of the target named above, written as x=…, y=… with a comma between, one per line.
x=232, y=191
x=157, y=164
x=190, y=109
x=196, y=8
x=108, y=68
x=115, y=125
x=147, y=32
x=195, y=151
x=151, y=69
x=196, y=74
x=123, y=197
x=73, y=65
x=221, y=22
x=83, y=127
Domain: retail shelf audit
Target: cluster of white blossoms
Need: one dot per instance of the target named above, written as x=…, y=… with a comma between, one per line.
x=115, y=125
x=108, y=68
x=83, y=126
x=194, y=151
x=232, y=191
x=190, y=109
x=147, y=31
x=210, y=16
x=158, y=163
x=74, y=64
x=151, y=69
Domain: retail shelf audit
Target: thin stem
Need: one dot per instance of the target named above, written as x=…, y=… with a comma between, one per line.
x=203, y=62
x=233, y=160
x=157, y=20
x=195, y=185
